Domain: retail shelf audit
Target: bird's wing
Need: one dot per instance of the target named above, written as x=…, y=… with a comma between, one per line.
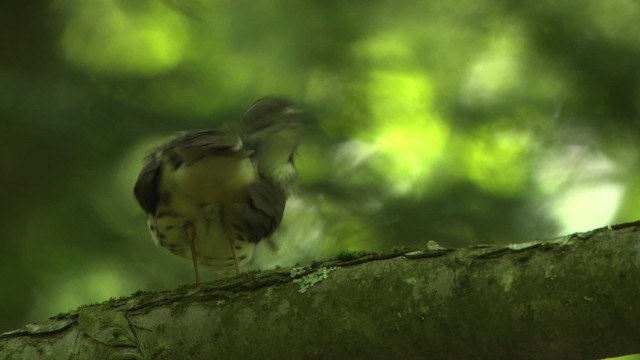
x=273, y=127
x=261, y=214
x=146, y=188
x=191, y=147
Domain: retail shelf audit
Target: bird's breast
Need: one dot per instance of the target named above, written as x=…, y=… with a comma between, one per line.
x=212, y=180
x=212, y=237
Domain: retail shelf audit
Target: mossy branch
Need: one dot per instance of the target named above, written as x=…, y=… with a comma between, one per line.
x=570, y=297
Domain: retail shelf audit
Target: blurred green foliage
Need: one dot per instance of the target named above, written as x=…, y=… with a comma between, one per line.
x=461, y=122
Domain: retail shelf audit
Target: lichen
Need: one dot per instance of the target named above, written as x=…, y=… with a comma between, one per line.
x=296, y=271
x=549, y=272
x=423, y=312
x=411, y=281
x=433, y=245
x=523, y=245
x=308, y=281
x=269, y=292
x=506, y=281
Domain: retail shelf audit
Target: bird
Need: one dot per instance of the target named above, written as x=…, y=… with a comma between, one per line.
x=212, y=195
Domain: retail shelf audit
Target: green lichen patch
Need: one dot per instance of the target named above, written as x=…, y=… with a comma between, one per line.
x=308, y=281
x=549, y=272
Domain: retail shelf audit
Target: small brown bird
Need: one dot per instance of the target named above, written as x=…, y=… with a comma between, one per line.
x=212, y=194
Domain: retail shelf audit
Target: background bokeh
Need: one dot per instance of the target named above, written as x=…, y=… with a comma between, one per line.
x=460, y=122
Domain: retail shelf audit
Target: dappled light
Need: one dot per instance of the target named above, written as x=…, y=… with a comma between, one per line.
x=576, y=208
x=113, y=38
x=402, y=124
x=498, y=160
x=615, y=20
x=460, y=123
x=76, y=288
x=497, y=71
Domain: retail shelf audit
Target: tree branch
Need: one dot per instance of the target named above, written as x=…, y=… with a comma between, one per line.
x=570, y=297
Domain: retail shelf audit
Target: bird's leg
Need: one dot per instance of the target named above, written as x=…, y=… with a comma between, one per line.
x=232, y=236
x=191, y=236
x=236, y=263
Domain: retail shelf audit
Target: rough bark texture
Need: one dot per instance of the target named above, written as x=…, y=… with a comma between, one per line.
x=574, y=297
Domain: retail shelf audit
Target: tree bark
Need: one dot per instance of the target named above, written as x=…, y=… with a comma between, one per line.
x=574, y=297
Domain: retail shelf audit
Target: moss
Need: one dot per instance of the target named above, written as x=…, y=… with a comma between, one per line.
x=524, y=256
x=139, y=293
x=350, y=255
x=62, y=315
x=546, y=246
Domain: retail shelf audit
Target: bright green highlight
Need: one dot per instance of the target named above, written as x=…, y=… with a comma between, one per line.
x=498, y=161
x=103, y=37
x=404, y=130
x=408, y=133
x=94, y=284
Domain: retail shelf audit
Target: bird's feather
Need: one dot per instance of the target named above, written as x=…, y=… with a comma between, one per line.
x=261, y=214
x=273, y=127
x=146, y=187
x=191, y=147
